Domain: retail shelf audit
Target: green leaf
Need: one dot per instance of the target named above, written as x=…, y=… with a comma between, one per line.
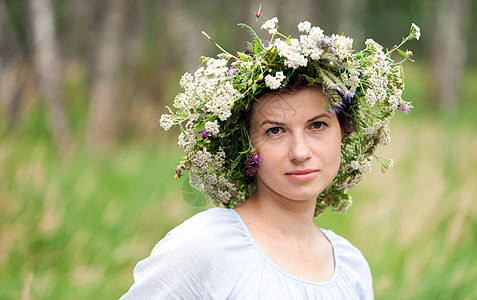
x=243, y=56
x=329, y=78
x=202, y=125
x=235, y=163
x=252, y=33
x=181, y=115
x=257, y=46
x=328, y=56
x=310, y=79
x=254, y=88
x=402, y=53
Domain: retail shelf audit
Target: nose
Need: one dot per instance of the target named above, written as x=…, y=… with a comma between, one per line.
x=299, y=148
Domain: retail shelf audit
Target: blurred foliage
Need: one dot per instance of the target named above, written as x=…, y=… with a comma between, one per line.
x=79, y=222
x=73, y=224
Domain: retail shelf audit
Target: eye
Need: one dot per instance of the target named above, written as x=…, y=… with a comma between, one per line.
x=274, y=130
x=318, y=125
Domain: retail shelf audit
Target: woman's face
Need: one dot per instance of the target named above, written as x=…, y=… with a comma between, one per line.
x=300, y=143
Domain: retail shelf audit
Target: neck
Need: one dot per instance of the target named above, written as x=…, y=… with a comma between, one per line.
x=292, y=218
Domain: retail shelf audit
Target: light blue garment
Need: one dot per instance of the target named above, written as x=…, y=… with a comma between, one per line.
x=213, y=256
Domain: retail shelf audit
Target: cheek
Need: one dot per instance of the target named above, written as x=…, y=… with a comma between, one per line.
x=334, y=154
x=270, y=158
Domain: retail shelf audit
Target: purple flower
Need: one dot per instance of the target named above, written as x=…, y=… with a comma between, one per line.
x=327, y=41
x=347, y=100
x=347, y=97
x=232, y=71
x=204, y=133
x=251, y=166
x=327, y=45
x=405, y=107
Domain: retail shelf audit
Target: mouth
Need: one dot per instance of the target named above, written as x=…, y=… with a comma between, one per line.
x=302, y=175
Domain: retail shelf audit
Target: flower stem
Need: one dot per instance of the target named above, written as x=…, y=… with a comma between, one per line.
x=217, y=45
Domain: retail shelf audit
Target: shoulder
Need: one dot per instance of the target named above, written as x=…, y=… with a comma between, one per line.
x=345, y=252
x=190, y=261
x=342, y=246
x=203, y=231
x=351, y=261
x=202, y=242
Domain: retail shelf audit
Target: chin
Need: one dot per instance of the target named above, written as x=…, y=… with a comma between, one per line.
x=302, y=194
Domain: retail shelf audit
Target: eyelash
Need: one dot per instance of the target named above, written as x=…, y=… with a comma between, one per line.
x=269, y=131
x=320, y=127
x=322, y=124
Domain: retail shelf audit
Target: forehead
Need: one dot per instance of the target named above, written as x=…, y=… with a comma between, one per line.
x=280, y=107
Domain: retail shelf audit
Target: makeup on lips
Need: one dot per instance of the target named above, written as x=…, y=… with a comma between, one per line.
x=302, y=175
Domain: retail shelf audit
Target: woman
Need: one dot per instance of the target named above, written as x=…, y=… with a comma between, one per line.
x=269, y=136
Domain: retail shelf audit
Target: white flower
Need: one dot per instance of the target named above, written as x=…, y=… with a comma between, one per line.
x=194, y=180
x=365, y=166
x=211, y=88
x=212, y=127
x=353, y=165
x=385, y=135
x=350, y=79
x=216, y=67
x=182, y=140
x=371, y=44
x=370, y=97
x=316, y=53
x=274, y=82
x=166, y=121
x=309, y=43
x=343, y=45
x=393, y=102
x=291, y=53
x=316, y=33
x=304, y=26
x=388, y=163
x=186, y=80
x=270, y=25
x=180, y=101
x=415, y=31
x=372, y=129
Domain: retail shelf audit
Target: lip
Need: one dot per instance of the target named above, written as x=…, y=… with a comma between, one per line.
x=302, y=175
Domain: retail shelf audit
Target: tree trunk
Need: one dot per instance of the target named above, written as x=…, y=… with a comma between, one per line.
x=48, y=67
x=448, y=53
x=103, y=112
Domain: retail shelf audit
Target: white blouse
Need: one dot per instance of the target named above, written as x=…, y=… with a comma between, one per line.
x=213, y=256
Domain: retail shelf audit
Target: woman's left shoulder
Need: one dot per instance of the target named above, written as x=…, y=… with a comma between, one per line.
x=351, y=262
x=338, y=241
x=346, y=253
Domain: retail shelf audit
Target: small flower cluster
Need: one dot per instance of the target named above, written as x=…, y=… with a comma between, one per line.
x=219, y=156
x=274, y=82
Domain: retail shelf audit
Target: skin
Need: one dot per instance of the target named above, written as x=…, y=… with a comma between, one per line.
x=300, y=143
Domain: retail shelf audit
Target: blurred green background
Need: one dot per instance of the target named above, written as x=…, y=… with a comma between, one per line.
x=86, y=174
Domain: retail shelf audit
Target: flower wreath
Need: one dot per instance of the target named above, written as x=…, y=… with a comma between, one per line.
x=219, y=155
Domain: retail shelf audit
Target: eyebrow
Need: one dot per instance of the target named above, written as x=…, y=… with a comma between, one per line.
x=323, y=115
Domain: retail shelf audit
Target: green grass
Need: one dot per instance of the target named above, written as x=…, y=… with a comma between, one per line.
x=73, y=225
x=417, y=224
x=80, y=222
